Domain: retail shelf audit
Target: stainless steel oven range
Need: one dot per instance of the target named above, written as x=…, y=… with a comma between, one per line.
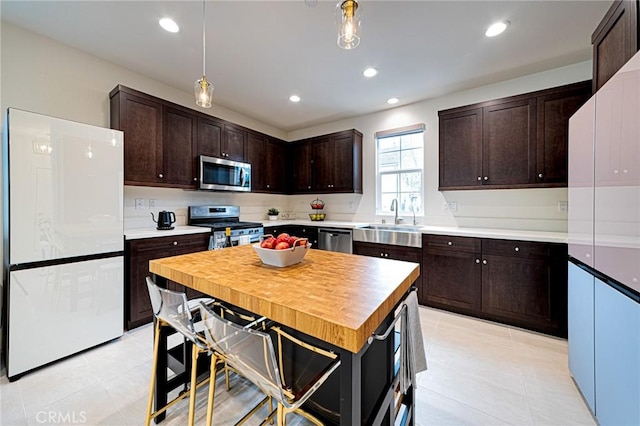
x=219, y=218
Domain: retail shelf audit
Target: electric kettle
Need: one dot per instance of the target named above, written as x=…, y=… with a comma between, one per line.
x=165, y=219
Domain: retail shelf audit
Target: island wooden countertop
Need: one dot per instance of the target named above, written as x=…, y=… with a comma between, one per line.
x=336, y=297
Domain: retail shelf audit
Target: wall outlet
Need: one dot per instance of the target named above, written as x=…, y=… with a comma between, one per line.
x=152, y=203
x=450, y=206
x=563, y=206
x=140, y=203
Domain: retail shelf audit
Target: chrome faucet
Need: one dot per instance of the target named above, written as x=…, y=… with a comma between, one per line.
x=413, y=197
x=394, y=208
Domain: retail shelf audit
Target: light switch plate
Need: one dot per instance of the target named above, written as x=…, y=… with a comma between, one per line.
x=451, y=206
x=140, y=203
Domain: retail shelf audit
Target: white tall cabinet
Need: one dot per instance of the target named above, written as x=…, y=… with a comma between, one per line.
x=604, y=249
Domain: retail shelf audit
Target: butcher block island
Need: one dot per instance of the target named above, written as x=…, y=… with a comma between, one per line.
x=336, y=299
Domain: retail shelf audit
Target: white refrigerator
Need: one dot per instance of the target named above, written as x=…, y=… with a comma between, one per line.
x=63, y=238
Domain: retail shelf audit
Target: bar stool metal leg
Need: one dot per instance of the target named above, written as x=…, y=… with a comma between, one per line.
x=156, y=344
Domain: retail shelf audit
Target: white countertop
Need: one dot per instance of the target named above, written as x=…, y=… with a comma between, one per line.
x=134, y=234
x=318, y=223
x=506, y=234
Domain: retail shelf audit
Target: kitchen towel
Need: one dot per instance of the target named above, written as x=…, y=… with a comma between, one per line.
x=412, y=356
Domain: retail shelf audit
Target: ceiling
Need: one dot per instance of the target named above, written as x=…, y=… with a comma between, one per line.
x=260, y=52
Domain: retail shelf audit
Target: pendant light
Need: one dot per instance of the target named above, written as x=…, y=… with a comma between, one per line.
x=202, y=88
x=348, y=20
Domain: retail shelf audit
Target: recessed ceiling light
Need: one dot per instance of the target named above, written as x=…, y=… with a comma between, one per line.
x=497, y=28
x=294, y=98
x=392, y=101
x=169, y=25
x=370, y=72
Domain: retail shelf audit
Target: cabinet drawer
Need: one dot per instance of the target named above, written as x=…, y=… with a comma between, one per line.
x=465, y=244
x=190, y=243
x=515, y=248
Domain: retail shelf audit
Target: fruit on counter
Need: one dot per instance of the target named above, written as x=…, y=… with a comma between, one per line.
x=283, y=245
x=283, y=242
x=269, y=243
x=283, y=237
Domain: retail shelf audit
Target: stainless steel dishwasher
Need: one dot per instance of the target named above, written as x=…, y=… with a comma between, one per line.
x=335, y=240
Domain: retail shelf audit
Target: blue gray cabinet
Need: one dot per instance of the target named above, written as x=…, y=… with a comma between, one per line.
x=581, y=332
x=617, y=357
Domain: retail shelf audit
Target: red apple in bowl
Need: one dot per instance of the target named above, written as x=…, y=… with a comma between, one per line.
x=283, y=245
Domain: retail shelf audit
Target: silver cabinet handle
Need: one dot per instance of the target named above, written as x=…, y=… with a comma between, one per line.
x=588, y=255
x=175, y=243
x=195, y=179
x=449, y=243
x=486, y=178
x=160, y=175
x=477, y=260
x=615, y=172
x=484, y=262
x=381, y=254
x=540, y=175
x=479, y=177
x=386, y=255
x=309, y=187
x=517, y=249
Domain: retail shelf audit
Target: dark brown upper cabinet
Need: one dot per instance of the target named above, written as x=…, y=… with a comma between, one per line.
x=216, y=138
x=233, y=143
x=615, y=40
x=301, y=160
x=179, y=147
x=508, y=136
x=210, y=133
x=514, y=142
x=328, y=164
x=140, y=117
x=461, y=148
x=269, y=162
x=163, y=141
x=554, y=110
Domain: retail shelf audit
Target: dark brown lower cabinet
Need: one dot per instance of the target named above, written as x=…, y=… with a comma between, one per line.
x=453, y=280
x=138, y=253
x=520, y=283
x=388, y=251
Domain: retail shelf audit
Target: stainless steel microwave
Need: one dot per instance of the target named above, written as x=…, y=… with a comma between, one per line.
x=218, y=174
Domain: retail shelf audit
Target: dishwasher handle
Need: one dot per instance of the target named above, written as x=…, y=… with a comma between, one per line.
x=334, y=232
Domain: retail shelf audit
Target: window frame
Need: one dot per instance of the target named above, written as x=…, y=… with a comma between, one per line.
x=417, y=128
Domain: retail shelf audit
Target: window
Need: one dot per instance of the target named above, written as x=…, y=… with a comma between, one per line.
x=400, y=161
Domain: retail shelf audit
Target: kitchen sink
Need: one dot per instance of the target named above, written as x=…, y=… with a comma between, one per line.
x=399, y=235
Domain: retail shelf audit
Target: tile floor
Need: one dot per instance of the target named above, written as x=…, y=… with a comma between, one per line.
x=480, y=373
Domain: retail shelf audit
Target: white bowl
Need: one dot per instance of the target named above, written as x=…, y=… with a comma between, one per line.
x=281, y=258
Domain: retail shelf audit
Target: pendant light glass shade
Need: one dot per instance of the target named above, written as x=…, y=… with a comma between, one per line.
x=348, y=19
x=204, y=92
x=202, y=88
